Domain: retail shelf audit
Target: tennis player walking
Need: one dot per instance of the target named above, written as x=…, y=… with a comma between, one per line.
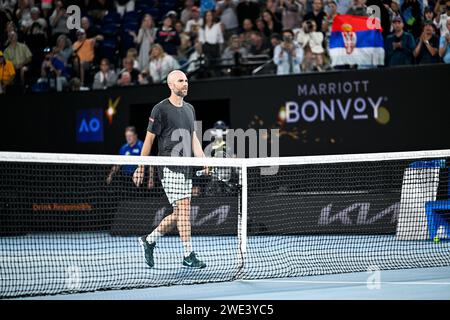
x=169, y=119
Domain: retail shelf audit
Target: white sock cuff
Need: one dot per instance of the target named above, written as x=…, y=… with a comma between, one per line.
x=154, y=236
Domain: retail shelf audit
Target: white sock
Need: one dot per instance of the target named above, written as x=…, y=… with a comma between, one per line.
x=154, y=236
x=187, y=248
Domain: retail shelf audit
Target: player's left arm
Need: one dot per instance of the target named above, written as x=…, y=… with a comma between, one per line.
x=197, y=146
x=198, y=150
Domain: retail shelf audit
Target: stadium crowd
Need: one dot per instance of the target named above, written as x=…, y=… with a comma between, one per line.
x=132, y=42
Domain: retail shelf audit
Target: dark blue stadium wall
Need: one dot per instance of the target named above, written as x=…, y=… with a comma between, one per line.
x=396, y=109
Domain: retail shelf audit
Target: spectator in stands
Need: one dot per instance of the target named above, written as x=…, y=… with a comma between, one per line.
x=318, y=15
x=132, y=53
x=195, y=22
x=20, y=55
x=211, y=37
x=7, y=73
x=144, y=39
x=260, y=26
x=272, y=6
x=63, y=49
x=10, y=27
x=23, y=14
x=128, y=66
x=442, y=16
x=75, y=85
x=246, y=34
x=161, y=64
x=91, y=30
x=58, y=21
x=426, y=50
x=259, y=44
x=36, y=40
x=84, y=51
x=8, y=5
x=196, y=59
x=123, y=6
x=168, y=37
x=444, y=45
x=36, y=18
x=125, y=80
x=248, y=9
x=173, y=15
x=233, y=53
x=275, y=40
x=311, y=41
x=399, y=46
x=98, y=9
x=53, y=71
x=186, y=13
x=288, y=55
x=328, y=20
x=428, y=14
x=271, y=24
x=395, y=8
x=412, y=17
x=226, y=10
x=291, y=10
x=358, y=8
x=185, y=41
x=105, y=78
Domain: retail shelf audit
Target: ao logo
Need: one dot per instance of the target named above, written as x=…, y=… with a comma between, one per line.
x=91, y=125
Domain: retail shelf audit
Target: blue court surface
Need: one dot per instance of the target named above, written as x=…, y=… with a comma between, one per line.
x=276, y=267
x=427, y=283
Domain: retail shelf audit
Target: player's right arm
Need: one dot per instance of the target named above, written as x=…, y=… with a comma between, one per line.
x=138, y=175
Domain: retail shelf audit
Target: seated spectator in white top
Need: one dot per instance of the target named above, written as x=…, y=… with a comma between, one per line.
x=233, y=52
x=106, y=77
x=195, y=21
x=288, y=55
x=161, y=64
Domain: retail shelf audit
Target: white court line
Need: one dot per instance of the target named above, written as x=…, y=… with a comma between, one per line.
x=349, y=282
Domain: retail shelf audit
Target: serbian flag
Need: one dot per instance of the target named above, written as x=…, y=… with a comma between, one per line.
x=356, y=40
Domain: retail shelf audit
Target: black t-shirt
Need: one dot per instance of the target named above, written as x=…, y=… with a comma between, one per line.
x=425, y=55
x=174, y=128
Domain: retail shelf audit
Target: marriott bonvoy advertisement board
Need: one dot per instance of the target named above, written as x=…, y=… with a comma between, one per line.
x=347, y=112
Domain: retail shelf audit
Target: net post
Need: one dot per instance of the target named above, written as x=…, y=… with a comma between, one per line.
x=242, y=221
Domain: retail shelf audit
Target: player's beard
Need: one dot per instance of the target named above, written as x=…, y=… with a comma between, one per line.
x=181, y=93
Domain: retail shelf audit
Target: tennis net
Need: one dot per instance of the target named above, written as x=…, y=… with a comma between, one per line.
x=71, y=223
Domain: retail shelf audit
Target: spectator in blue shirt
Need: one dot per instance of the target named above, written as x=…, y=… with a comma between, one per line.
x=132, y=147
x=444, y=45
x=400, y=45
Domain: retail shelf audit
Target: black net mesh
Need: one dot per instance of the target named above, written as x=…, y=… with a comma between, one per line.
x=69, y=227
